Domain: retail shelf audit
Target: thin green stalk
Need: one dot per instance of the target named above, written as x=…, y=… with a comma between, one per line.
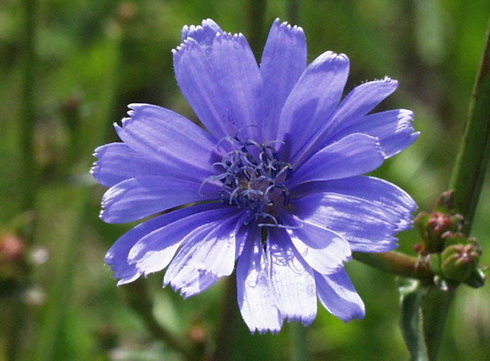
x=227, y=324
x=435, y=311
x=471, y=163
x=298, y=334
x=140, y=300
x=293, y=11
x=412, y=295
x=74, y=202
x=256, y=10
x=27, y=119
x=73, y=121
x=396, y=263
x=466, y=182
x=29, y=176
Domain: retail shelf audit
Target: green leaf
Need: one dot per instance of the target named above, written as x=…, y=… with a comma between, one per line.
x=411, y=297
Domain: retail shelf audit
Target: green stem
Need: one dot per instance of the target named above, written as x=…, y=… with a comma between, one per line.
x=227, y=323
x=74, y=202
x=139, y=298
x=471, y=163
x=293, y=12
x=299, y=342
x=411, y=321
x=27, y=120
x=256, y=10
x=466, y=182
x=435, y=310
x=73, y=120
x=29, y=176
x=396, y=263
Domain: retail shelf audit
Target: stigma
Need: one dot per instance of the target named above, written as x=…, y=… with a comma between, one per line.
x=254, y=179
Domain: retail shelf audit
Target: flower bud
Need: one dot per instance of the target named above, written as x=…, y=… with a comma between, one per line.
x=433, y=227
x=438, y=224
x=434, y=261
x=459, y=260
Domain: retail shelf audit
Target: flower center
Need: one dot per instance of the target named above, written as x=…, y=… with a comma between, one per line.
x=254, y=178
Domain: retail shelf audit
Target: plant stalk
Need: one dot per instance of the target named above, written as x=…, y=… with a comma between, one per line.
x=466, y=182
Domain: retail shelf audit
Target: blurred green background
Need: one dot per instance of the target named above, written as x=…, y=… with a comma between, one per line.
x=58, y=300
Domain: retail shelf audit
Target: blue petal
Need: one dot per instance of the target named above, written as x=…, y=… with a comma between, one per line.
x=208, y=253
x=204, y=34
x=255, y=297
x=353, y=155
x=241, y=237
x=312, y=101
x=182, y=274
x=196, y=78
x=283, y=61
x=292, y=281
x=366, y=211
x=118, y=255
x=338, y=295
x=222, y=84
x=136, y=198
x=360, y=101
x=322, y=249
x=168, y=138
x=237, y=75
x=393, y=128
x=118, y=162
x=155, y=250
x=192, y=282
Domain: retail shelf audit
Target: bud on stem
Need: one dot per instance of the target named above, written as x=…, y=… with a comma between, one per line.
x=451, y=255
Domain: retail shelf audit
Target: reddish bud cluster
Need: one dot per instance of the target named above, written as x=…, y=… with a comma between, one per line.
x=450, y=254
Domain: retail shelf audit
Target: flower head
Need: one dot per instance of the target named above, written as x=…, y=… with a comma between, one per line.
x=274, y=185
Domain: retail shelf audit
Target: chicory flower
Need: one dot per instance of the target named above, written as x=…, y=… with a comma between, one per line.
x=274, y=188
